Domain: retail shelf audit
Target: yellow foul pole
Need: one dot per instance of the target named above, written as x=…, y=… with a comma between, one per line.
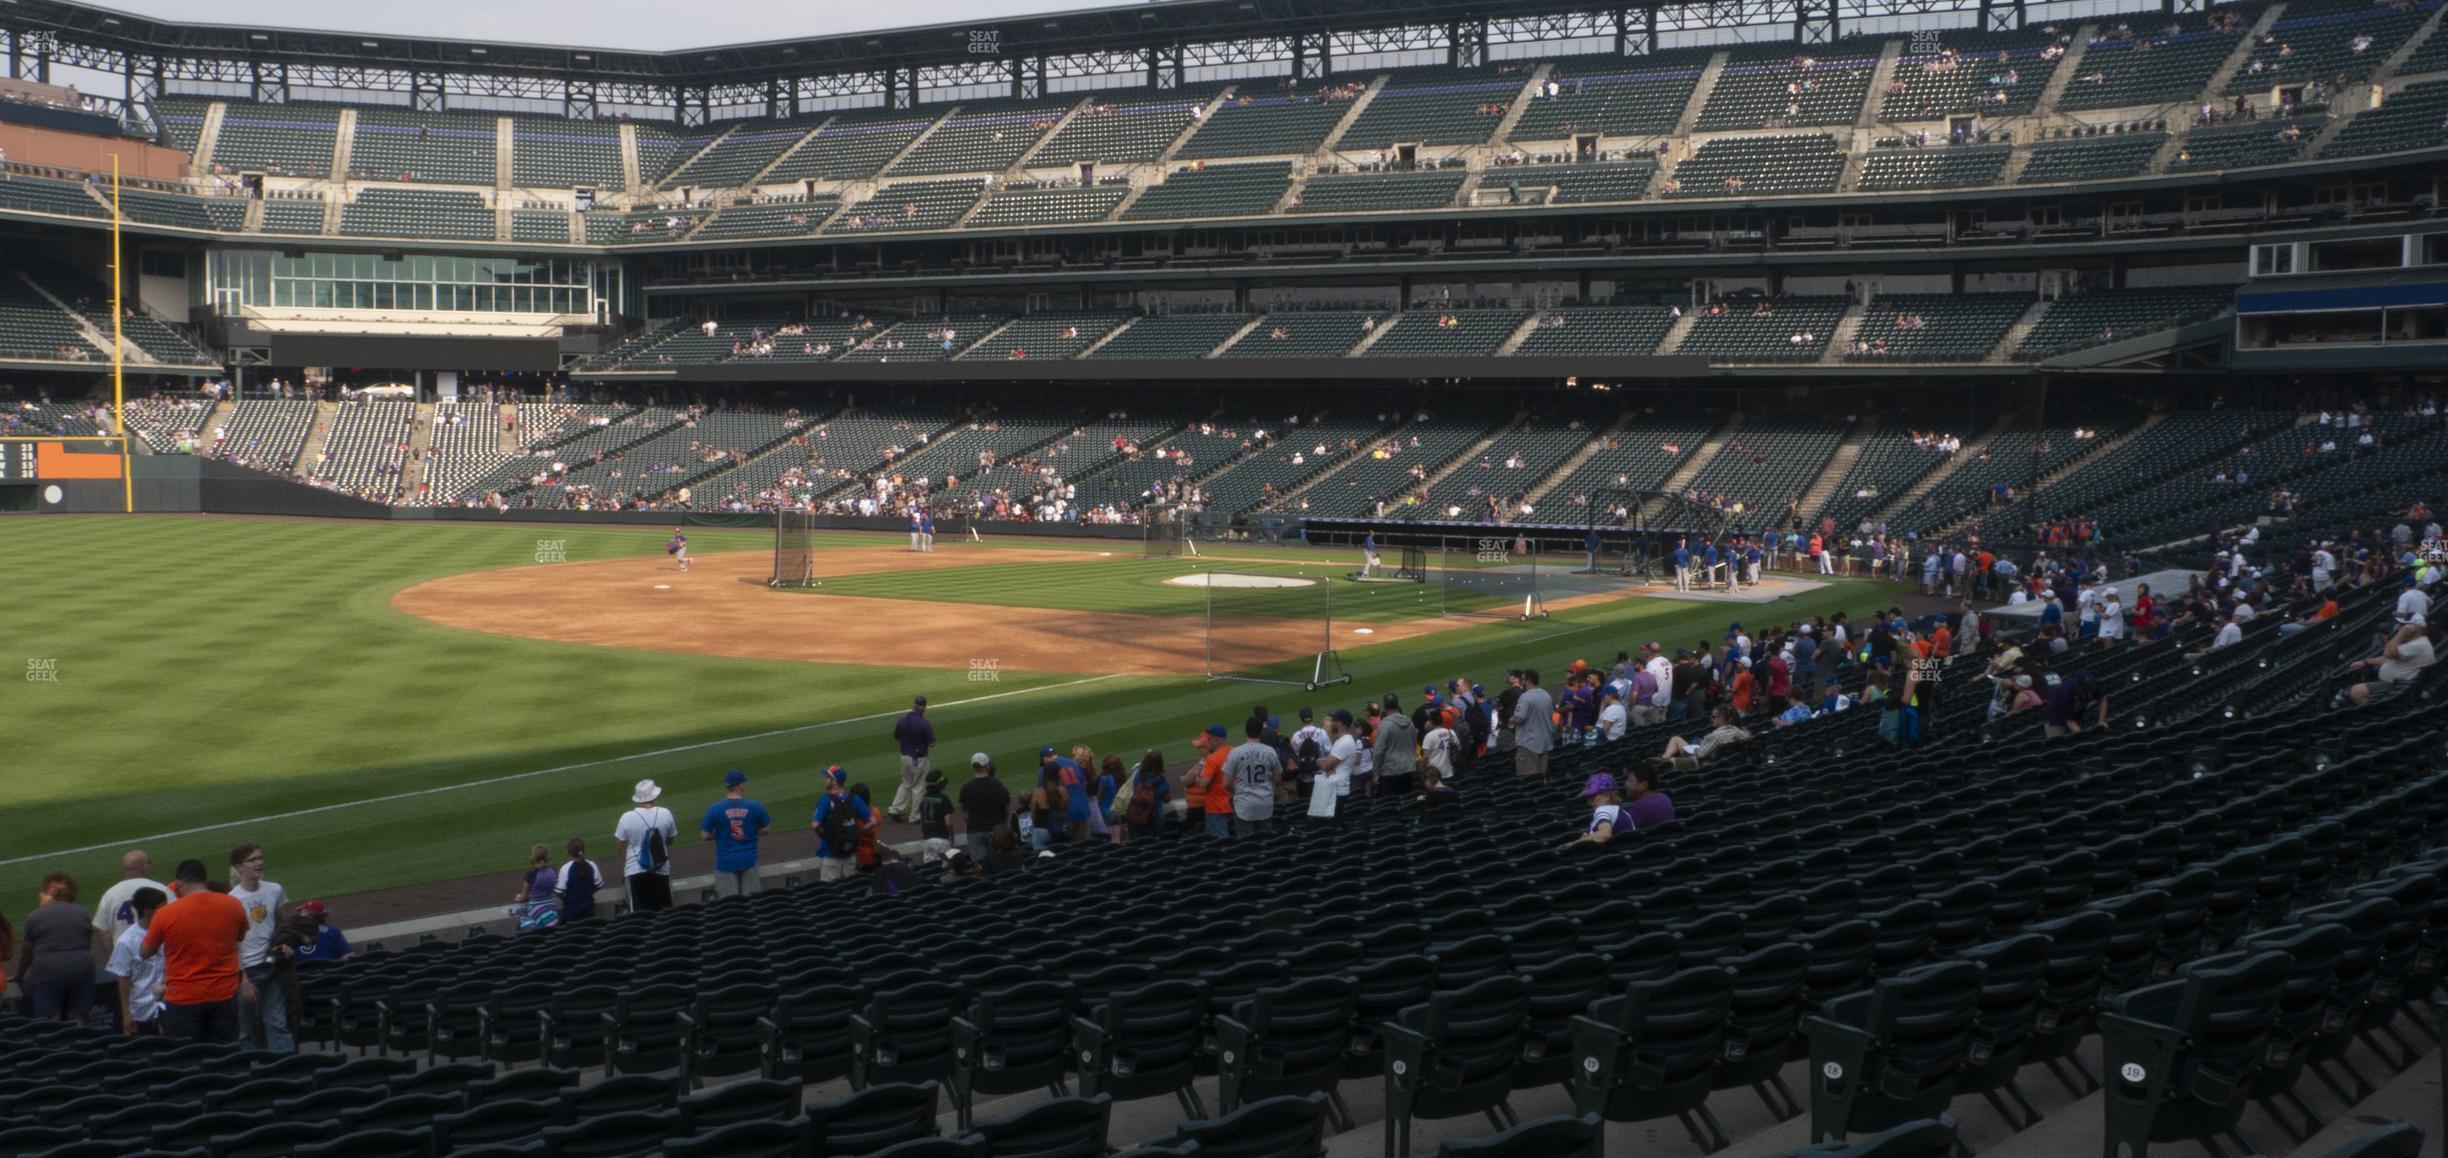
x=127, y=477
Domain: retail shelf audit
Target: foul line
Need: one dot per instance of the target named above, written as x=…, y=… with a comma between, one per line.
x=396, y=796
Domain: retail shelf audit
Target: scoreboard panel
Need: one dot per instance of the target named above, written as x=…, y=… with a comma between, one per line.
x=18, y=461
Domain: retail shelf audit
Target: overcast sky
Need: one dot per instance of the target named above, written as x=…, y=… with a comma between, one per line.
x=632, y=24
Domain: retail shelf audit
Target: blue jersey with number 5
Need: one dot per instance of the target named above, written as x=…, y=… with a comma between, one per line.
x=735, y=825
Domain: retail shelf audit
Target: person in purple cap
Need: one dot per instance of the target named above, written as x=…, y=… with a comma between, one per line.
x=1606, y=809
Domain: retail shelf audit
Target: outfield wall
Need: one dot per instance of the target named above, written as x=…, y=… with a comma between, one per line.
x=186, y=485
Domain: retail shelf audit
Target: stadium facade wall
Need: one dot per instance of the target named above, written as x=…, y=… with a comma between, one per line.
x=30, y=141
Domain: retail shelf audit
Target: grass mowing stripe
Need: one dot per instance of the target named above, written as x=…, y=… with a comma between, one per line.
x=398, y=796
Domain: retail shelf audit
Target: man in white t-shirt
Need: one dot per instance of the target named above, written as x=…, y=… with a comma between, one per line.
x=1612, y=718
x=2111, y=616
x=1341, y=759
x=2229, y=635
x=114, y=912
x=2404, y=657
x=2413, y=603
x=264, y=1011
x=649, y=883
x=140, y=977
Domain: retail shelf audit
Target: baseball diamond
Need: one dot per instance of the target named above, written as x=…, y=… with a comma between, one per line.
x=1405, y=578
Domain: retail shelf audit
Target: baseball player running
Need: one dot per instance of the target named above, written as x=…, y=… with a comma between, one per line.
x=678, y=548
x=1368, y=554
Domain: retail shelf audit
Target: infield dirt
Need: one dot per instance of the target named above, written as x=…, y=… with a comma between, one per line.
x=722, y=606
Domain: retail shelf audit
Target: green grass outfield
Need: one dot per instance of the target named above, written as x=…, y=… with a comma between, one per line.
x=220, y=680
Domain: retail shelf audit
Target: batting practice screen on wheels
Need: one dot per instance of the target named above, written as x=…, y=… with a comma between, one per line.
x=794, y=553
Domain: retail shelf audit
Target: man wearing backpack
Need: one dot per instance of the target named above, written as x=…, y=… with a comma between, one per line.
x=836, y=824
x=646, y=832
x=1308, y=747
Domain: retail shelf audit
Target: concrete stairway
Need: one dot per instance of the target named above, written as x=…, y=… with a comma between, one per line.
x=1699, y=96
x=2045, y=104
x=1196, y=123
x=804, y=140
x=1675, y=333
x=1333, y=468
x=1815, y=499
x=1052, y=131
x=1237, y=335
x=684, y=162
x=420, y=441
x=1520, y=334
x=1521, y=103
x=1846, y=327
x=2216, y=90
x=318, y=436
x=1107, y=336
x=505, y=154
x=1375, y=332
x=1931, y=481
x=2396, y=60
x=94, y=335
x=1470, y=453
x=1538, y=494
x=208, y=137
x=916, y=141
x=629, y=158
x=344, y=146
x=216, y=416
x=2015, y=334
x=1880, y=74
x=1351, y=114
x=1689, y=468
x=2052, y=478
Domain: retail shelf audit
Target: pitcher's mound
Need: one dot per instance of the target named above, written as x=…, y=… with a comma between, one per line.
x=1231, y=579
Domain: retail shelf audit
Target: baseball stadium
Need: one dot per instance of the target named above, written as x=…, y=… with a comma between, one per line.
x=1266, y=578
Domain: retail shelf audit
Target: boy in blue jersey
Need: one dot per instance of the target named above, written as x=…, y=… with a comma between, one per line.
x=734, y=823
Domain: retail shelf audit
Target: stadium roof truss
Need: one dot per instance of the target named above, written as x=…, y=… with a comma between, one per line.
x=1161, y=44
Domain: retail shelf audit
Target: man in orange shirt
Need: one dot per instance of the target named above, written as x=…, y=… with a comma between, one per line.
x=1942, y=641
x=1205, y=787
x=198, y=937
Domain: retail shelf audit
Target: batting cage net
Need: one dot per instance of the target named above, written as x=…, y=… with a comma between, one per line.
x=794, y=549
x=1491, y=577
x=1166, y=532
x=1274, y=629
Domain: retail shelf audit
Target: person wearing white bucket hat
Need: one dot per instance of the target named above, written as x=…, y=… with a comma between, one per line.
x=646, y=833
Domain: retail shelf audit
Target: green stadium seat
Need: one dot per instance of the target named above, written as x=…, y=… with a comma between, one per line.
x=1774, y=86
x=1759, y=166
x=1204, y=190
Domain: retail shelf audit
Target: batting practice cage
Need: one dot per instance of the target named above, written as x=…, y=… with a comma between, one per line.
x=1273, y=629
x=794, y=549
x=1166, y=532
x=1493, y=576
